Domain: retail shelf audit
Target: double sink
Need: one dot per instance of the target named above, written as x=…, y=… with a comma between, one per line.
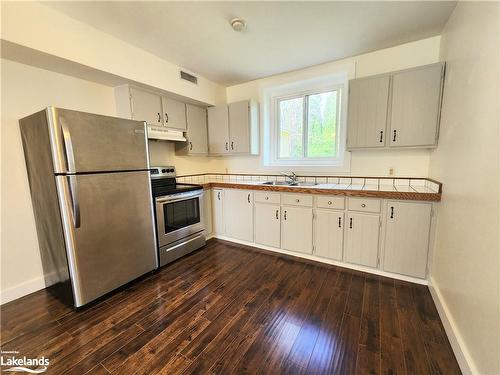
x=289, y=183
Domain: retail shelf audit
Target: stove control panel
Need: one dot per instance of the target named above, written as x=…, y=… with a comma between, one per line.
x=162, y=172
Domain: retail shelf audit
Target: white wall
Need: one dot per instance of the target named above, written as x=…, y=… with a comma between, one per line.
x=38, y=27
x=374, y=163
x=26, y=90
x=466, y=267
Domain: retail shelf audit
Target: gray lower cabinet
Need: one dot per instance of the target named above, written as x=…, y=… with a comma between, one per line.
x=407, y=232
x=362, y=239
x=297, y=229
x=329, y=234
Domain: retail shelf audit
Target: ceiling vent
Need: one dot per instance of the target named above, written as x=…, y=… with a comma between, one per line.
x=189, y=77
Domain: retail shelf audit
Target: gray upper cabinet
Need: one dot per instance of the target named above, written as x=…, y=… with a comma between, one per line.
x=196, y=134
x=367, y=114
x=234, y=128
x=218, y=130
x=398, y=109
x=239, y=127
x=146, y=106
x=416, y=102
x=174, y=114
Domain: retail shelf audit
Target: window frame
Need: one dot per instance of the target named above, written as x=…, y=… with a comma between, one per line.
x=305, y=123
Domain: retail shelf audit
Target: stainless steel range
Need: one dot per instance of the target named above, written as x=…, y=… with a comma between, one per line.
x=179, y=213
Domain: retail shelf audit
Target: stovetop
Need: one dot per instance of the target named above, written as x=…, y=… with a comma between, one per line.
x=163, y=182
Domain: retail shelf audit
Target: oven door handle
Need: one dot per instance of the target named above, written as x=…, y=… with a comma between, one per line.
x=179, y=197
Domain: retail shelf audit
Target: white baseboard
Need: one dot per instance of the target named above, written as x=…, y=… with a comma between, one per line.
x=324, y=260
x=22, y=290
x=457, y=343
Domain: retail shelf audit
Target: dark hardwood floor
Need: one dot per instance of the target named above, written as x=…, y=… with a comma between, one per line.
x=228, y=309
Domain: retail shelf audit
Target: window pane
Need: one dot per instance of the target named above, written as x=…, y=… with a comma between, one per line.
x=291, y=128
x=322, y=125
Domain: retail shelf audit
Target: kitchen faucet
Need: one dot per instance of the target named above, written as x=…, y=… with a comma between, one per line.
x=291, y=176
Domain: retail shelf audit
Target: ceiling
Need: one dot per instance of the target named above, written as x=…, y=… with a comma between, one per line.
x=280, y=36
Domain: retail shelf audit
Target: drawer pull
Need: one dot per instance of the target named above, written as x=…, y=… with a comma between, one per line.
x=363, y=205
x=267, y=198
x=330, y=203
x=297, y=200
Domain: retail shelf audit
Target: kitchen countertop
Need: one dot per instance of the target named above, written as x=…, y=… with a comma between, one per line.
x=394, y=191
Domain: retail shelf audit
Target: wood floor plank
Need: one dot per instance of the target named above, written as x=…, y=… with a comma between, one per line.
x=391, y=345
x=416, y=359
x=231, y=309
x=368, y=361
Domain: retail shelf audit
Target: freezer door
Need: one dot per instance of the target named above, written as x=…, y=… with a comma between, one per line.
x=108, y=229
x=84, y=142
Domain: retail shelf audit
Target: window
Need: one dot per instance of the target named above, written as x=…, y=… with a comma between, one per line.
x=304, y=121
x=307, y=126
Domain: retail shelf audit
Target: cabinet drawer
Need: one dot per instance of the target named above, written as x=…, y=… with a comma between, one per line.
x=365, y=205
x=266, y=197
x=326, y=201
x=298, y=200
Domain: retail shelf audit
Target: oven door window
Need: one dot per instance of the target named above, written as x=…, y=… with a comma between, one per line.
x=181, y=214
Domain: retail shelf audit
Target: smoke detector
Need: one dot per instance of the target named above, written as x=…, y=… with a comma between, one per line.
x=238, y=24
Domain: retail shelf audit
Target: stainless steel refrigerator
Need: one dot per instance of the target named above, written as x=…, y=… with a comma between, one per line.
x=91, y=195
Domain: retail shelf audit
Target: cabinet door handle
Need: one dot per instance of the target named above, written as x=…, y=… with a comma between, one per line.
x=159, y=117
x=190, y=145
x=394, y=136
x=232, y=145
x=329, y=203
x=392, y=212
x=267, y=198
x=227, y=146
x=350, y=222
x=166, y=117
x=248, y=198
x=340, y=222
x=277, y=214
x=218, y=195
x=284, y=216
x=381, y=136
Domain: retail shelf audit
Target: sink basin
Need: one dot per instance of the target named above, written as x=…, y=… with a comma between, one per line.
x=286, y=183
x=277, y=183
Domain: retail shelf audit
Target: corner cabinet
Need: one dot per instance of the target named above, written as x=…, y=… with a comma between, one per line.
x=396, y=110
x=196, y=132
x=234, y=128
x=407, y=232
x=416, y=106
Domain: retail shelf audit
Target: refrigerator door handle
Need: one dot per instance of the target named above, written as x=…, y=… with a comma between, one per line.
x=73, y=190
x=68, y=147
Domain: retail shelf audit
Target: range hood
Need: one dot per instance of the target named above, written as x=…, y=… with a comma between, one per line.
x=164, y=134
